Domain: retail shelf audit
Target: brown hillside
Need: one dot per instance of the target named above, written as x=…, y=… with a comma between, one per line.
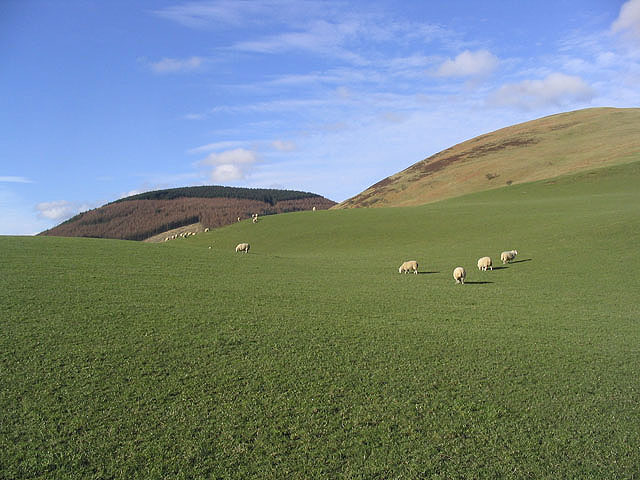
x=141, y=219
x=535, y=150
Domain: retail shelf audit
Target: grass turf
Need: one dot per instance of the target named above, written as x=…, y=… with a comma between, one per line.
x=311, y=357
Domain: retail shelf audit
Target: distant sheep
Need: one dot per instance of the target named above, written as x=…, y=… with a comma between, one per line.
x=206, y=230
x=407, y=266
x=459, y=274
x=506, y=257
x=314, y=209
x=485, y=263
x=238, y=218
x=242, y=247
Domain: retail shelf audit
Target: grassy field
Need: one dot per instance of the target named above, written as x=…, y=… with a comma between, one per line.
x=311, y=357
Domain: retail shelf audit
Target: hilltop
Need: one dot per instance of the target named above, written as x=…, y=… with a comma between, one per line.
x=143, y=216
x=536, y=150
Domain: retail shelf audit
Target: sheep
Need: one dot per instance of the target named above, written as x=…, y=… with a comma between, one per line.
x=238, y=218
x=508, y=256
x=314, y=209
x=485, y=263
x=459, y=274
x=206, y=230
x=409, y=265
x=242, y=247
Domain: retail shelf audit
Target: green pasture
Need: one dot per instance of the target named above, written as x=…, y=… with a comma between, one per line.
x=312, y=357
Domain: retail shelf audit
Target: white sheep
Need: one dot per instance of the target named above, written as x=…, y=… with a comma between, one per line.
x=410, y=265
x=459, y=274
x=485, y=263
x=508, y=256
x=242, y=247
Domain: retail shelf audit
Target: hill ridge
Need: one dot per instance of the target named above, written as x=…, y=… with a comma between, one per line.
x=145, y=215
x=547, y=147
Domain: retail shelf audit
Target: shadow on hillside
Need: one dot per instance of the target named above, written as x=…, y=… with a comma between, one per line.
x=523, y=260
x=426, y=273
x=476, y=283
x=499, y=268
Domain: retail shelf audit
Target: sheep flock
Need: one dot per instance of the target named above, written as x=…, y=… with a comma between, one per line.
x=484, y=263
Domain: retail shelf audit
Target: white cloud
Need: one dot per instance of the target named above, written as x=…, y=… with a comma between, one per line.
x=13, y=179
x=131, y=193
x=469, y=64
x=628, y=20
x=57, y=210
x=227, y=173
x=236, y=156
x=556, y=89
x=229, y=165
x=174, y=65
x=284, y=146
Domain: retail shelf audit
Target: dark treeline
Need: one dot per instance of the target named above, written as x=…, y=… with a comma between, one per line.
x=266, y=195
x=141, y=219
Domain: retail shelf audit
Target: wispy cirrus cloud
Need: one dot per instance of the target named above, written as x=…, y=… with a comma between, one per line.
x=248, y=13
x=320, y=36
x=176, y=65
x=14, y=179
x=283, y=145
x=224, y=145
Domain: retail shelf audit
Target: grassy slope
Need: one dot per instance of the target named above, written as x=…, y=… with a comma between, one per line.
x=311, y=357
x=544, y=148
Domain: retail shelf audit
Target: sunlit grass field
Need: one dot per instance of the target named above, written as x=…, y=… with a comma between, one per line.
x=312, y=357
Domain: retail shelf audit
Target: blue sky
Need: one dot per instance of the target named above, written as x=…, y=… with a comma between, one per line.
x=101, y=99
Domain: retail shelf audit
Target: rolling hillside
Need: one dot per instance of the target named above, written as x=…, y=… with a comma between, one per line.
x=544, y=148
x=143, y=216
x=313, y=358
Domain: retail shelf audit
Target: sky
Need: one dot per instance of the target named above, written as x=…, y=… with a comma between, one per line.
x=104, y=99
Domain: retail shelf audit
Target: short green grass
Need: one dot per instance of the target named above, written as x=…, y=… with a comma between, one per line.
x=311, y=357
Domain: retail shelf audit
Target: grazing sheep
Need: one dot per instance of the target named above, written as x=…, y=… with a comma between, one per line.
x=242, y=247
x=459, y=274
x=410, y=265
x=508, y=256
x=485, y=263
